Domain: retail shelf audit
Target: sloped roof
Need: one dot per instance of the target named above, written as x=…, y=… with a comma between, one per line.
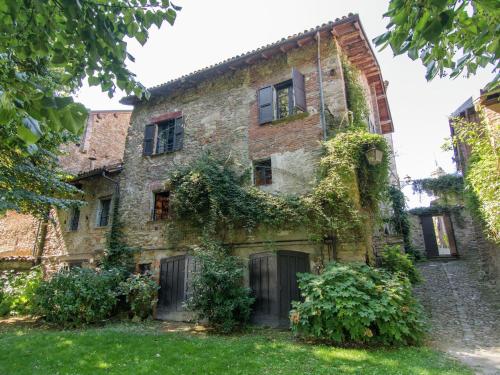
x=348, y=32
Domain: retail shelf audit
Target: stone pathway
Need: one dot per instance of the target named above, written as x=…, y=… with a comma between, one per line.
x=464, y=313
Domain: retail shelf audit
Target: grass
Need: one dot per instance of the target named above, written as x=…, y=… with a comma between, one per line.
x=148, y=349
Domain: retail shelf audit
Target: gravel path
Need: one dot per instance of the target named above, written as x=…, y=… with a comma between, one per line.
x=464, y=313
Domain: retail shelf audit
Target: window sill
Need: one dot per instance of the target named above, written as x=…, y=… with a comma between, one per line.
x=288, y=119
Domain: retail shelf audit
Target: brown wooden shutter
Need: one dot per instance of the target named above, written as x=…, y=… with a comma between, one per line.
x=149, y=133
x=299, y=92
x=266, y=108
x=178, y=133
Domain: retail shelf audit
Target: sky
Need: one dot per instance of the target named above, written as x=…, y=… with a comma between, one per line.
x=207, y=32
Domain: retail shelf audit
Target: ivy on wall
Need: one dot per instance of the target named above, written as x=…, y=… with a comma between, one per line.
x=356, y=99
x=210, y=193
x=483, y=171
x=400, y=220
x=449, y=187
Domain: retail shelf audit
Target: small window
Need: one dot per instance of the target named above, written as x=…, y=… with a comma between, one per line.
x=74, y=219
x=160, y=211
x=143, y=268
x=103, y=217
x=75, y=264
x=263, y=172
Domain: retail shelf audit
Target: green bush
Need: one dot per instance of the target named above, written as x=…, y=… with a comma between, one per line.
x=355, y=303
x=394, y=261
x=16, y=291
x=78, y=296
x=140, y=293
x=218, y=294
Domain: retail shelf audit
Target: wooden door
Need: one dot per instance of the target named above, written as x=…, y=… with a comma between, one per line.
x=289, y=264
x=273, y=280
x=171, y=295
x=263, y=282
x=431, y=247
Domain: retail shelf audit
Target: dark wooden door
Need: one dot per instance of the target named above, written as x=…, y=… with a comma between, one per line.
x=172, y=284
x=289, y=264
x=263, y=282
x=448, y=225
x=431, y=247
x=273, y=280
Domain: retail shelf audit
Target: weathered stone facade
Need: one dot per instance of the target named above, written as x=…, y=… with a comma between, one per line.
x=222, y=113
x=53, y=242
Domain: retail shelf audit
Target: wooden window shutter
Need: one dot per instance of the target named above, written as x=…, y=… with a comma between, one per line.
x=149, y=133
x=299, y=91
x=266, y=108
x=178, y=133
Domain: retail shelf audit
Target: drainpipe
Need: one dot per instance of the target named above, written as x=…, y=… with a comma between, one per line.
x=117, y=184
x=321, y=96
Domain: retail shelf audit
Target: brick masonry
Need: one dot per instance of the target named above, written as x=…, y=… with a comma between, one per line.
x=102, y=144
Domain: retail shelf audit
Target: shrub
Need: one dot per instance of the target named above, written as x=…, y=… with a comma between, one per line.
x=16, y=291
x=217, y=292
x=393, y=261
x=355, y=303
x=140, y=292
x=77, y=296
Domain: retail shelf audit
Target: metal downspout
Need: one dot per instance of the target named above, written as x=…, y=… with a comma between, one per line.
x=321, y=96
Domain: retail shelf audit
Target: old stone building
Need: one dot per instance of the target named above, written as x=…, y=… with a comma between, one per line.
x=78, y=236
x=270, y=109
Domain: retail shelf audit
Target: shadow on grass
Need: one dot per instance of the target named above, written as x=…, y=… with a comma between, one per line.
x=145, y=349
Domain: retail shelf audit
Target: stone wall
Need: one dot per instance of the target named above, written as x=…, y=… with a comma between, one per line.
x=89, y=240
x=222, y=114
x=17, y=234
x=102, y=143
x=472, y=245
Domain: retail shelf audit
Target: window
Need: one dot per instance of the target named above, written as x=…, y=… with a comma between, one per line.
x=104, y=207
x=144, y=268
x=164, y=136
x=282, y=100
x=160, y=210
x=74, y=219
x=263, y=172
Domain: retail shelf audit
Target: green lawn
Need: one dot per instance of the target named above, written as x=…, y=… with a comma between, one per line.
x=145, y=349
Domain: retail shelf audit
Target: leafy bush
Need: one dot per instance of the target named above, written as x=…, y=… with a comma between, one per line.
x=140, y=292
x=218, y=294
x=16, y=291
x=393, y=261
x=355, y=303
x=78, y=296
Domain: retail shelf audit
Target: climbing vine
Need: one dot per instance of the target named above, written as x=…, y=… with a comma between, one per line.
x=356, y=99
x=210, y=193
x=400, y=220
x=483, y=170
x=117, y=254
x=449, y=187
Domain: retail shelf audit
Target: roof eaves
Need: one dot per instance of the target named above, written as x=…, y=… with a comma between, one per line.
x=198, y=74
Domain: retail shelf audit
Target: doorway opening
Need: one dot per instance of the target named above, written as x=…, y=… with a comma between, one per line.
x=439, y=238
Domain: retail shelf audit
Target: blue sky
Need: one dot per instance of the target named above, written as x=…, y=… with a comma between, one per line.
x=207, y=32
